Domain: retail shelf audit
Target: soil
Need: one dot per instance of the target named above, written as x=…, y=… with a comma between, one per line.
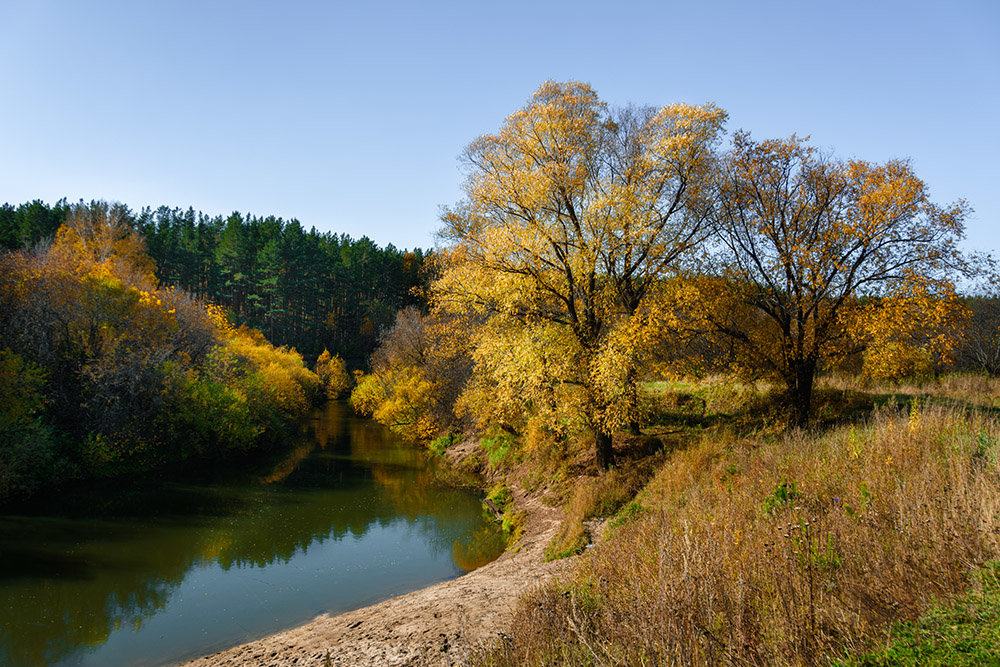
x=438, y=625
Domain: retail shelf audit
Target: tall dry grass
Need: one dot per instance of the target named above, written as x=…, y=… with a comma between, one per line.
x=597, y=497
x=790, y=551
x=973, y=388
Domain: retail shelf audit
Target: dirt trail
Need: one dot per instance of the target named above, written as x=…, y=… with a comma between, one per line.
x=437, y=625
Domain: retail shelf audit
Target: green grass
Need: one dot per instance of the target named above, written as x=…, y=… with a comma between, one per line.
x=439, y=445
x=965, y=632
x=511, y=520
x=501, y=449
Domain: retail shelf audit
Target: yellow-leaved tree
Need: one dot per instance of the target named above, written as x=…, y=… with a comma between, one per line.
x=416, y=374
x=910, y=331
x=333, y=375
x=573, y=213
x=103, y=234
x=820, y=257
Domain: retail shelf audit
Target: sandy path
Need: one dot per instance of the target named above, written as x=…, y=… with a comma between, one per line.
x=433, y=626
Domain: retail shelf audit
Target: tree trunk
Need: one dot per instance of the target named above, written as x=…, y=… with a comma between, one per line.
x=800, y=387
x=604, y=449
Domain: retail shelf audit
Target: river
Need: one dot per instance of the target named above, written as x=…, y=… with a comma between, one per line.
x=161, y=572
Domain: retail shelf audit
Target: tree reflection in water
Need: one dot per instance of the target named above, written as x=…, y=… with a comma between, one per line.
x=70, y=580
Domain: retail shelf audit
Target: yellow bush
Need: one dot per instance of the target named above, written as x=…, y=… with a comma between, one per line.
x=333, y=375
x=398, y=399
x=283, y=371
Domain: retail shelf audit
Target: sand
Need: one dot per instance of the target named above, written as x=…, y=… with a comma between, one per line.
x=437, y=625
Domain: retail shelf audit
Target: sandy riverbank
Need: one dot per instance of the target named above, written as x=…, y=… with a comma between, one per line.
x=437, y=625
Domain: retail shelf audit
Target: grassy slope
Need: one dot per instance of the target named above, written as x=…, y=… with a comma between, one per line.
x=964, y=632
x=753, y=545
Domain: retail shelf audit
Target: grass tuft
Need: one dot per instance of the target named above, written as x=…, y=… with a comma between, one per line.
x=595, y=498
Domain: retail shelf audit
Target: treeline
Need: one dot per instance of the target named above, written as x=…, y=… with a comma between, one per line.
x=29, y=223
x=301, y=288
x=104, y=371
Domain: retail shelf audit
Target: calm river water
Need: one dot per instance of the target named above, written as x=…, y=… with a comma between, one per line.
x=156, y=575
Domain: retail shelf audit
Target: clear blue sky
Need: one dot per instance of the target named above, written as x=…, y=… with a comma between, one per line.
x=351, y=116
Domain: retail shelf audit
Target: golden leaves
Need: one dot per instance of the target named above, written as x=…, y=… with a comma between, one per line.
x=810, y=245
x=573, y=213
x=103, y=234
x=578, y=220
x=333, y=375
x=911, y=331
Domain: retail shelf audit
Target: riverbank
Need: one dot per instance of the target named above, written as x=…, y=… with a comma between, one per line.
x=437, y=625
x=159, y=572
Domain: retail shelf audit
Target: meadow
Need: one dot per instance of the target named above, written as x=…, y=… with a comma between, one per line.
x=751, y=543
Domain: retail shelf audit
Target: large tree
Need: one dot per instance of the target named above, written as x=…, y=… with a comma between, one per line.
x=573, y=213
x=820, y=256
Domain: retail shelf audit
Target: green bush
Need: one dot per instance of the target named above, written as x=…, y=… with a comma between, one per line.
x=206, y=418
x=28, y=457
x=501, y=449
x=511, y=520
x=439, y=445
x=27, y=444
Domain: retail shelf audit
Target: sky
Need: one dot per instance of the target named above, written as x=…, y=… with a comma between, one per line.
x=351, y=116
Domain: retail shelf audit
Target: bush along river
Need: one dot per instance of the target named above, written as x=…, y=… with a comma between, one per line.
x=164, y=572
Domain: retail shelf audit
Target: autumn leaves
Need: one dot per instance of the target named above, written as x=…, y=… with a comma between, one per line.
x=594, y=242
x=823, y=258
x=115, y=374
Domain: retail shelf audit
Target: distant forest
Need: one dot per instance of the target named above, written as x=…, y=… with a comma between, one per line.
x=301, y=288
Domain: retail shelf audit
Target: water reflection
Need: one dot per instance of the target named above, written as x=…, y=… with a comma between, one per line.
x=154, y=575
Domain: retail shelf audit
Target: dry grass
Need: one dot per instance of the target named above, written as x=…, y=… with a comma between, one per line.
x=596, y=497
x=789, y=550
x=972, y=388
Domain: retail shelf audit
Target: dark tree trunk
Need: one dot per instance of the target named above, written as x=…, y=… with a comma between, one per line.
x=800, y=387
x=604, y=449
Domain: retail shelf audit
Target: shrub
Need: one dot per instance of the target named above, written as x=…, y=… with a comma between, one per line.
x=398, y=399
x=441, y=444
x=27, y=443
x=511, y=520
x=333, y=375
x=501, y=449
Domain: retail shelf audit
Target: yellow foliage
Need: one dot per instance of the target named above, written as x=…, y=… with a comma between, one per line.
x=220, y=319
x=417, y=371
x=911, y=332
x=573, y=213
x=367, y=395
x=333, y=375
x=284, y=373
x=103, y=234
x=527, y=376
x=147, y=367
x=399, y=399
x=669, y=312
